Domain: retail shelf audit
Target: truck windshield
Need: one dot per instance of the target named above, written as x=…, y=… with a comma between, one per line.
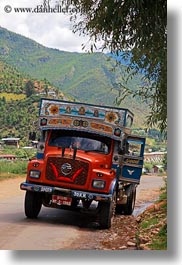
x=87, y=142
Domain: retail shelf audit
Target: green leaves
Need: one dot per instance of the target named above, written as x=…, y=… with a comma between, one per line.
x=139, y=26
x=29, y=88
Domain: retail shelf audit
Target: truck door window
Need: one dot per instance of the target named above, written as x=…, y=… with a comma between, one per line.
x=133, y=147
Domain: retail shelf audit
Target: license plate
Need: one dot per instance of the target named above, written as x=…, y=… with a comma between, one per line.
x=61, y=200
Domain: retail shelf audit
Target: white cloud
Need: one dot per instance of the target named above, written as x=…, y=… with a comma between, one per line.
x=50, y=29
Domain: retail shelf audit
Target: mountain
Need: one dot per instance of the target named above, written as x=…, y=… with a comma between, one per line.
x=13, y=81
x=85, y=77
x=18, y=107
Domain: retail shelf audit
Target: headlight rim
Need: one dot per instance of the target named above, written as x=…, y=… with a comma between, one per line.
x=100, y=181
x=33, y=176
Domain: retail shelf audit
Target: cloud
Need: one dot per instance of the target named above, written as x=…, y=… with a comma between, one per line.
x=50, y=29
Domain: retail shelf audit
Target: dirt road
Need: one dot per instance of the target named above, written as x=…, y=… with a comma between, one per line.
x=59, y=229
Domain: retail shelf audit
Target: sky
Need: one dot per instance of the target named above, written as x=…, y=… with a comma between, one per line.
x=50, y=29
x=53, y=30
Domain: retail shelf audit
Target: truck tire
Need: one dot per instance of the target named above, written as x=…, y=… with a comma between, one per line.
x=127, y=209
x=120, y=209
x=130, y=205
x=74, y=203
x=107, y=211
x=33, y=204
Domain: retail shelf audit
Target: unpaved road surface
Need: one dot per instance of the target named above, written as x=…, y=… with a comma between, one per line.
x=59, y=229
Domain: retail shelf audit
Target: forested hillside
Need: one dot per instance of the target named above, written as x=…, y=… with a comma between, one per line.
x=19, y=100
x=17, y=117
x=13, y=81
x=85, y=77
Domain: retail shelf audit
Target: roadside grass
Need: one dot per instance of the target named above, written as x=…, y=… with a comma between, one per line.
x=149, y=222
x=163, y=194
x=159, y=242
x=12, y=169
x=6, y=176
x=153, y=224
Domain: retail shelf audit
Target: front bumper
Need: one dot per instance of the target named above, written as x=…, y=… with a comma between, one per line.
x=65, y=192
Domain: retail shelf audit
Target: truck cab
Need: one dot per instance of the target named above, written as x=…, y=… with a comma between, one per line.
x=84, y=161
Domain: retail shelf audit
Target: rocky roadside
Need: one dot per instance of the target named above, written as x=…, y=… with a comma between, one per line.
x=146, y=231
x=134, y=232
x=152, y=227
x=121, y=236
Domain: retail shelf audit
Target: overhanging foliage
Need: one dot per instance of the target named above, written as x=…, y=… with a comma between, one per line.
x=132, y=26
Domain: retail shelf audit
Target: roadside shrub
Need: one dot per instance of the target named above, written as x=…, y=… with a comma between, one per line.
x=148, y=166
x=15, y=167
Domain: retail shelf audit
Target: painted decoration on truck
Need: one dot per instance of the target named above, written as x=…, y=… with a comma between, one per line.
x=115, y=118
x=105, y=120
x=101, y=127
x=64, y=122
x=81, y=111
x=72, y=110
x=53, y=108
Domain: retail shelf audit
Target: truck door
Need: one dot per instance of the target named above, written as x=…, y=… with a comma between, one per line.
x=132, y=161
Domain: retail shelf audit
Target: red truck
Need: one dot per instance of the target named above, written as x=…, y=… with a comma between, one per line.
x=87, y=160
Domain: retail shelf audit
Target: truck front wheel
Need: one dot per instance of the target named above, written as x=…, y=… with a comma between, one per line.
x=107, y=211
x=33, y=204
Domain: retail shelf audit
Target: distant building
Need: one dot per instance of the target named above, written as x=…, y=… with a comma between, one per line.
x=35, y=144
x=155, y=157
x=11, y=141
x=156, y=168
x=8, y=157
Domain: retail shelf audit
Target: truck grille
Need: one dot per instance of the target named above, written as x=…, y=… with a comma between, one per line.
x=67, y=170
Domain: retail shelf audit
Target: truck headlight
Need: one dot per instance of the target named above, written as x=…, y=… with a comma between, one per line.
x=34, y=174
x=98, y=184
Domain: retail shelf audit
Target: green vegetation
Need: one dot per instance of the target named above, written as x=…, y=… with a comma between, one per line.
x=140, y=29
x=10, y=169
x=11, y=81
x=21, y=153
x=149, y=222
x=84, y=77
x=153, y=224
x=159, y=241
x=18, y=167
x=12, y=96
x=15, y=167
x=19, y=100
x=18, y=118
x=29, y=88
x=16, y=85
x=163, y=194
